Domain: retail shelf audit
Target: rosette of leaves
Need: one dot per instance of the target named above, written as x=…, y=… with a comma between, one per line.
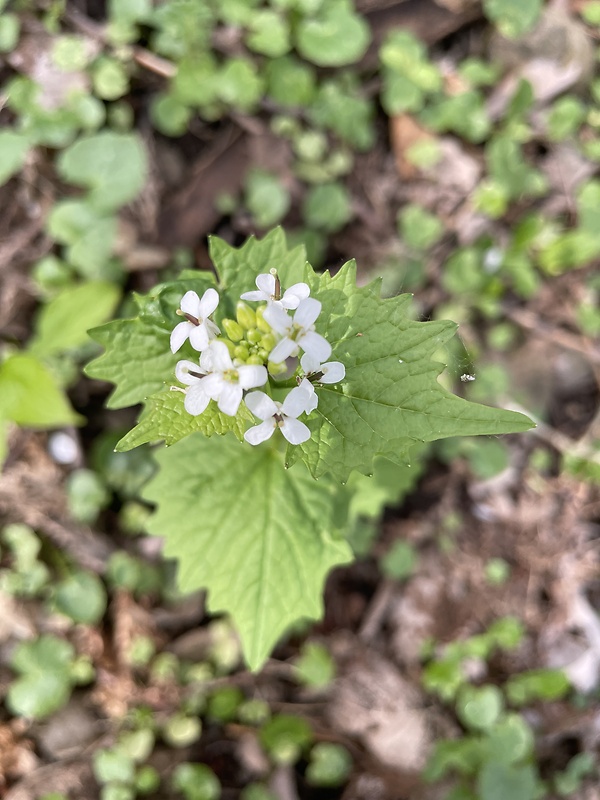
x=260, y=527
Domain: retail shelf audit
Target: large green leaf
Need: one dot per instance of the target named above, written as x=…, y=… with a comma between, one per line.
x=165, y=419
x=30, y=395
x=390, y=397
x=257, y=536
x=237, y=267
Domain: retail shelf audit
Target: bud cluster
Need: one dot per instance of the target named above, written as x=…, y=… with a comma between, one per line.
x=257, y=343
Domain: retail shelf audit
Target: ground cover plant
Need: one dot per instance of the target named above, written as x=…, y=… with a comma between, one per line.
x=263, y=533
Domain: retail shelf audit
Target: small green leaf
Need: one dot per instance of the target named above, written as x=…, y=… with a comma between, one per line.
x=71, y=53
x=400, y=562
x=29, y=395
x=418, y=228
x=479, y=707
x=513, y=17
x=266, y=197
x=498, y=781
x=44, y=684
x=169, y=115
x=10, y=28
x=112, y=166
x=284, y=737
x=13, y=151
x=196, y=782
x=269, y=34
x=63, y=323
x=537, y=684
x=112, y=766
x=329, y=765
x=335, y=37
x=81, y=597
x=239, y=84
x=109, y=78
x=290, y=81
x=264, y=544
x=327, y=207
x=314, y=667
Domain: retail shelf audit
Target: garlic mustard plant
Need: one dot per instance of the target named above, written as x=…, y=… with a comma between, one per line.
x=264, y=429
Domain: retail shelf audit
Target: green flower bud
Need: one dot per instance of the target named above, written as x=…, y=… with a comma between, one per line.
x=253, y=335
x=276, y=369
x=241, y=352
x=230, y=345
x=268, y=342
x=261, y=322
x=233, y=329
x=255, y=359
x=245, y=316
x=263, y=354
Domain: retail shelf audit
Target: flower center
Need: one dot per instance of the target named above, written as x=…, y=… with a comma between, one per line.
x=231, y=375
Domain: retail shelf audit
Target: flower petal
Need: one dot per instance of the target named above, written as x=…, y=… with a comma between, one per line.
x=212, y=328
x=210, y=300
x=309, y=364
x=230, y=398
x=179, y=334
x=252, y=375
x=182, y=372
x=206, y=360
x=292, y=296
x=261, y=405
x=278, y=318
x=307, y=312
x=253, y=296
x=313, y=400
x=196, y=400
x=334, y=372
x=199, y=337
x=221, y=360
x=282, y=350
x=213, y=385
x=315, y=345
x=295, y=402
x=260, y=433
x=190, y=304
x=266, y=283
x=294, y=431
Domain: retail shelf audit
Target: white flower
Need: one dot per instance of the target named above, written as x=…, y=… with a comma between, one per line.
x=225, y=382
x=268, y=288
x=313, y=400
x=278, y=415
x=192, y=375
x=333, y=372
x=198, y=328
x=298, y=332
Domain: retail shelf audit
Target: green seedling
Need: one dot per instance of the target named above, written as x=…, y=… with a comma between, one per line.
x=314, y=667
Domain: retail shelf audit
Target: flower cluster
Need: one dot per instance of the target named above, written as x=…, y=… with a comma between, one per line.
x=257, y=348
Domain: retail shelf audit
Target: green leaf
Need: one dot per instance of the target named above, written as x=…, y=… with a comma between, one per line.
x=143, y=342
x=10, y=28
x=337, y=36
x=498, y=781
x=63, y=323
x=513, y=17
x=479, y=706
x=266, y=197
x=327, y=207
x=237, y=267
x=112, y=166
x=314, y=667
x=81, y=597
x=537, y=684
x=290, y=81
x=257, y=536
x=13, y=151
x=239, y=84
x=44, y=684
x=390, y=397
x=29, y=395
x=165, y=419
x=418, y=227
x=109, y=78
x=269, y=34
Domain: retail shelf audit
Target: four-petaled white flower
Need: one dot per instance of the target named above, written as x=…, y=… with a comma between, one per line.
x=298, y=332
x=192, y=375
x=225, y=382
x=278, y=415
x=268, y=289
x=333, y=372
x=198, y=327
